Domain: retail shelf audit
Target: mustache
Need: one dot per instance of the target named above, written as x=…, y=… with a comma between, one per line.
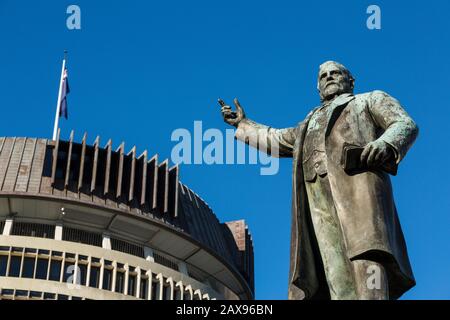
x=330, y=83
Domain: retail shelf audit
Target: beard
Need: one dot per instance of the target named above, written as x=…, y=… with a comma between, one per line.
x=333, y=89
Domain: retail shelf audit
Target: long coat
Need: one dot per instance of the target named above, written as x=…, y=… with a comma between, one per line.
x=364, y=202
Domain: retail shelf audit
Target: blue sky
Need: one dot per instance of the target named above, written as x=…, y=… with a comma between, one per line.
x=140, y=69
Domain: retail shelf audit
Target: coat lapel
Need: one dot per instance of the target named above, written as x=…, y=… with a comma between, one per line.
x=336, y=108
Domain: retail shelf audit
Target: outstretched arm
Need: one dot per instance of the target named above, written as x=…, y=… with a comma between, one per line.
x=275, y=142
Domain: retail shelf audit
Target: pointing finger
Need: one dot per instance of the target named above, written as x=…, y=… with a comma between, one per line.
x=238, y=105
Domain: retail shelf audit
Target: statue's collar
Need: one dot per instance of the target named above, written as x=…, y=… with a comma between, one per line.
x=339, y=100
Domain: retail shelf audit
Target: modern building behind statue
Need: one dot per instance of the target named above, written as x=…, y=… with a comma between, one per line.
x=80, y=221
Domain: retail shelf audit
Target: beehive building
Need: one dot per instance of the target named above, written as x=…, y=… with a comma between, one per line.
x=80, y=221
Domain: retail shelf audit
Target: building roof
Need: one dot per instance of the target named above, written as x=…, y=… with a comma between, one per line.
x=138, y=186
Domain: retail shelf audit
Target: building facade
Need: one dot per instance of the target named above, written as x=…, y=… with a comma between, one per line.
x=80, y=221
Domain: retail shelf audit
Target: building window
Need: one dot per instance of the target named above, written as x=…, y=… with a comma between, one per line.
x=107, y=277
x=155, y=289
x=69, y=271
x=7, y=292
x=123, y=246
x=167, y=290
x=120, y=281
x=143, y=288
x=177, y=293
x=28, y=267
x=49, y=296
x=41, y=268
x=14, y=267
x=132, y=284
x=81, y=236
x=33, y=230
x=160, y=259
x=21, y=294
x=55, y=270
x=35, y=295
x=3, y=265
x=94, y=279
x=82, y=273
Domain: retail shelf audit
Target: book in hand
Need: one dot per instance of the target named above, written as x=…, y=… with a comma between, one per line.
x=351, y=161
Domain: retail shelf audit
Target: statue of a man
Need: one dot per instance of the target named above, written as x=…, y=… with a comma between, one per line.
x=346, y=239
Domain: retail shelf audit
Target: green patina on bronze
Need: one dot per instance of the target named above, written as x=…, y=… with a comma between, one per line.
x=343, y=223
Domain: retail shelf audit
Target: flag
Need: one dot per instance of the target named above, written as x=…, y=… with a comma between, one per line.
x=65, y=90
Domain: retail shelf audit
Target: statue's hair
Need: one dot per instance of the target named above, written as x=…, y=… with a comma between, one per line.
x=340, y=67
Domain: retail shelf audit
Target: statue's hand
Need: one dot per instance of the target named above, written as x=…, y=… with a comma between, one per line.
x=233, y=117
x=376, y=153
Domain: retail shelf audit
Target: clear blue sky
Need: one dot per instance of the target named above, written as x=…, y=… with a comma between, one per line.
x=140, y=69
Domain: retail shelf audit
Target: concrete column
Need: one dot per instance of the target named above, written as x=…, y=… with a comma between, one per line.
x=125, y=285
x=106, y=243
x=182, y=267
x=114, y=276
x=148, y=253
x=8, y=226
x=59, y=231
x=138, y=282
x=180, y=289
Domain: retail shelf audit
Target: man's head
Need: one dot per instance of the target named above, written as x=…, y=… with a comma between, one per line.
x=333, y=80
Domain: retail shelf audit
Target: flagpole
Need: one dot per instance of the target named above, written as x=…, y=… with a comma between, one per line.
x=58, y=104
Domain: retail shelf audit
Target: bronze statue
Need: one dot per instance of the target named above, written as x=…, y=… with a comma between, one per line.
x=345, y=228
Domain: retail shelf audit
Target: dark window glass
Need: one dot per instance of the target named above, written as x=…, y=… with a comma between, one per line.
x=14, y=267
x=155, y=290
x=4, y=248
x=33, y=230
x=21, y=293
x=63, y=297
x=167, y=292
x=7, y=292
x=82, y=268
x=131, y=285
x=94, y=278
x=69, y=271
x=177, y=294
x=41, y=269
x=35, y=294
x=49, y=296
x=55, y=270
x=120, y=277
x=107, y=279
x=77, y=298
x=57, y=253
x=43, y=251
x=70, y=255
x=143, y=289
x=3, y=265
x=28, y=267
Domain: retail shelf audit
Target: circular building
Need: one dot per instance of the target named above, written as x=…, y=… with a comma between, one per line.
x=81, y=221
